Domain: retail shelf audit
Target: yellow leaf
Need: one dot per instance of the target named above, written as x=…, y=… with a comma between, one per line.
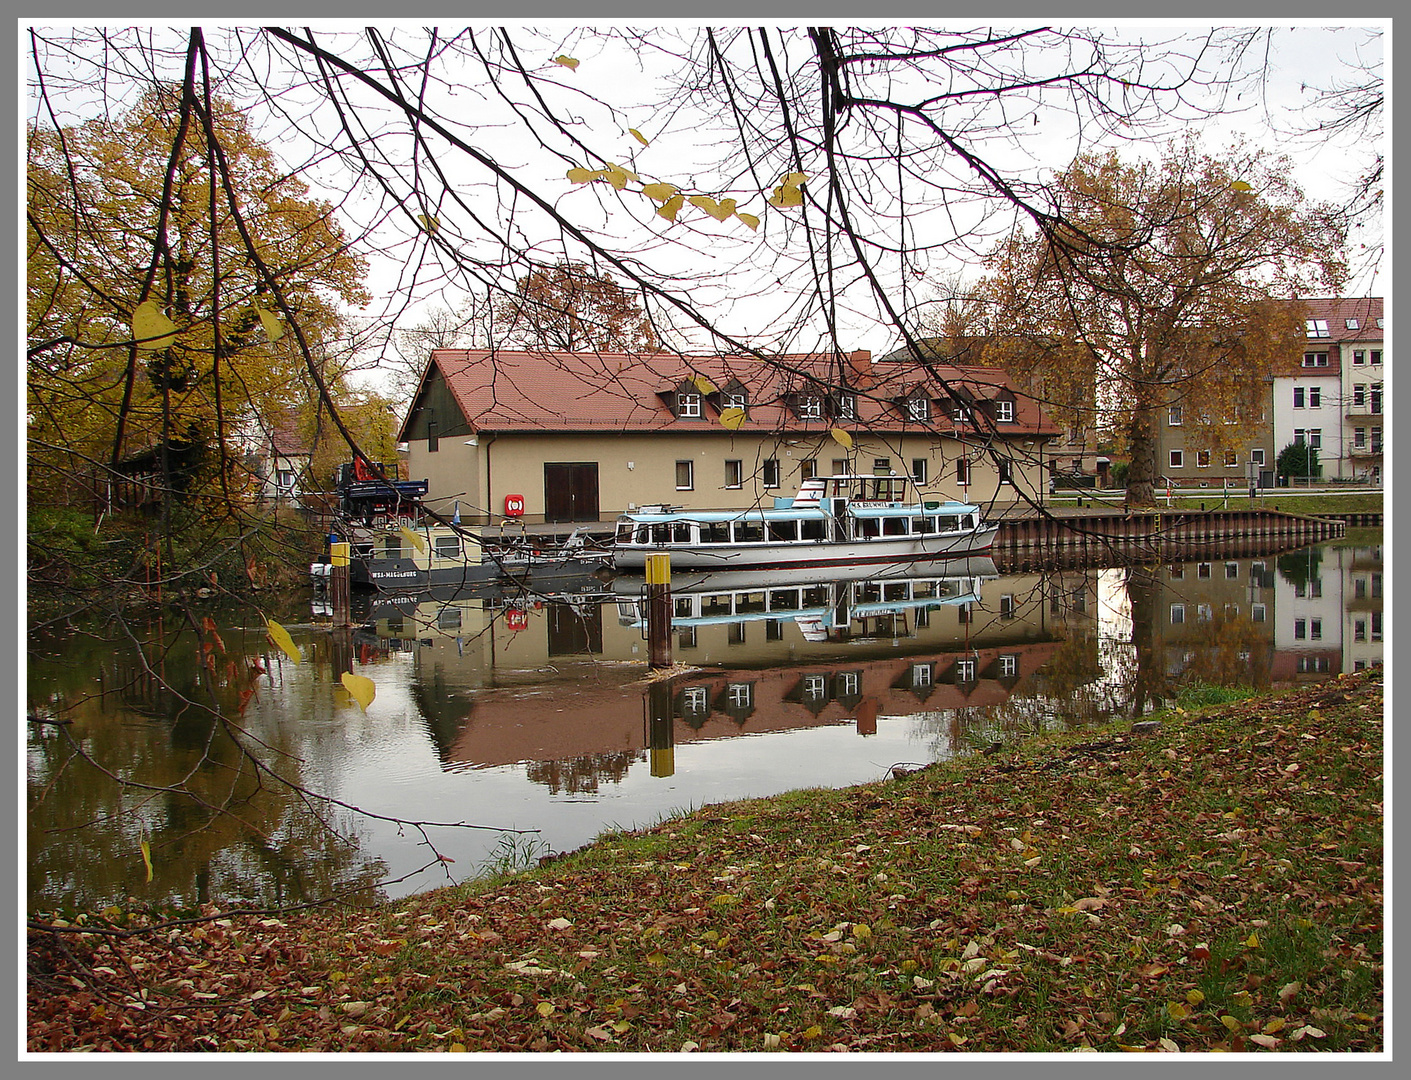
x=1274, y=1026
x=659, y=192
x=1243, y=999
x=732, y=417
x=812, y=1031
x=1195, y=997
x=361, y=687
x=456, y=1048
x=566, y=61
x=1230, y=1022
x=274, y=329
x=150, y=328
x=718, y=210
x=704, y=385
x=750, y=220
x=617, y=176
x=841, y=437
x=281, y=638
x=1252, y=941
x=1178, y=1010
x=1240, y=185
x=429, y=223
x=414, y=539
x=784, y=197
x=657, y=958
x=621, y=1026
x=147, y=857
x=583, y=176
x=638, y=136
x=669, y=208
x=544, y=1008
x=793, y=179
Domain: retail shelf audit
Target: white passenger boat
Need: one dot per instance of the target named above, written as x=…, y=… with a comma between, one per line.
x=840, y=520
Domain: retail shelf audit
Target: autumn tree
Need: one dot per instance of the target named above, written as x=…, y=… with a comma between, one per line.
x=1164, y=283
x=569, y=307
x=182, y=216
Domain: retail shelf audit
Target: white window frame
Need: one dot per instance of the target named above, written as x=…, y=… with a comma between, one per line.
x=1177, y=459
x=810, y=408
x=1298, y=394
x=918, y=408
x=770, y=473
x=690, y=471
x=1315, y=359
x=1175, y=417
x=1317, y=328
x=688, y=406
x=734, y=473
x=1004, y=412
x=1256, y=456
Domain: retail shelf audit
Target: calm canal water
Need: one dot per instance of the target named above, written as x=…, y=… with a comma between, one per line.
x=264, y=781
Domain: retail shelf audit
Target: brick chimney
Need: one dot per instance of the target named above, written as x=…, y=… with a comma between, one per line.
x=860, y=363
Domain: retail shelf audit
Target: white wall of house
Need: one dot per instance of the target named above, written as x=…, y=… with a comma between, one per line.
x=1310, y=404
x=1364, y=408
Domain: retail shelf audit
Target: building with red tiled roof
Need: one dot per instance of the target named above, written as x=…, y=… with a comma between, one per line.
x=582, y=437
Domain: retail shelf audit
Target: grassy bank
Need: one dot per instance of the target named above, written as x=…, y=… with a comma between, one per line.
x=1215, y=885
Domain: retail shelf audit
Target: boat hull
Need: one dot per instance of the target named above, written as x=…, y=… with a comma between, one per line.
x=404, y=575
x=809, y=554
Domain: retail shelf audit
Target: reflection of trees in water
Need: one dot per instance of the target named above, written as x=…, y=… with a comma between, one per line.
x=159, y=756
x=583, y=775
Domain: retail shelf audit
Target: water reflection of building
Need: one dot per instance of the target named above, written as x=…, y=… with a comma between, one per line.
x=1300, y=616
x=506, y=679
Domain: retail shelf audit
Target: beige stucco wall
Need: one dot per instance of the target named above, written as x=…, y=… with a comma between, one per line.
x=634, y=469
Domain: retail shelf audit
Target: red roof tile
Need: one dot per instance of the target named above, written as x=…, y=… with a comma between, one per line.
x=514, y=390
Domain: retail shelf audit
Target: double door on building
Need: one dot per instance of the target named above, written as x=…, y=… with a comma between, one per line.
x=571, y=491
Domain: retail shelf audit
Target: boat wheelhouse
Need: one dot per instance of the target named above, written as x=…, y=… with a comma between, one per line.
x=841, y=520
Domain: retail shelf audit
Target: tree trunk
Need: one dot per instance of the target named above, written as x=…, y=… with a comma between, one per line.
x=1141, y=444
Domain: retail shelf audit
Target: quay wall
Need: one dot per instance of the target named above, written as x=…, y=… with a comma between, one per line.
x=1154, y=536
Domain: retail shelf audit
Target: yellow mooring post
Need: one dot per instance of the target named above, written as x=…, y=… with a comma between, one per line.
x=659, y=611
x=339, y=582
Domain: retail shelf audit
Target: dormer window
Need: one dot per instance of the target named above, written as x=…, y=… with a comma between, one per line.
x=1317, y=328
x=960, y=414
x=846, y=405
x=734, y=399
x=1351, y=324
x=1004, y=412
x=688, y=406
x=810, y=407
x=919, y=409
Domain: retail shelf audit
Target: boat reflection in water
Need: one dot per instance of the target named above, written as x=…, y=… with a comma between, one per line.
x=756, y=652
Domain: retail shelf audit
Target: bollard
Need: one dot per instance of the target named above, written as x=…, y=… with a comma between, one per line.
x=659, y=611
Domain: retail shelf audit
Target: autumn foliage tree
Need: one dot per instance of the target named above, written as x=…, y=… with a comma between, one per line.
x=570, y=307
x=183, y=215
x=1160, y=284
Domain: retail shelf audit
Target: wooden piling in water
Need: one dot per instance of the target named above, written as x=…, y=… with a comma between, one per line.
x=658, y=611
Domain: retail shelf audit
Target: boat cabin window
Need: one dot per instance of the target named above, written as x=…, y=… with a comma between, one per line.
x=923, y=525
x=448, y=547
x=867, y=528
x=715, y=532
x=624, y=533
x=784, y=530
x=749, y=532
x=681, y=532
x=967, y=521
x=812, y=530
x=894, y=526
